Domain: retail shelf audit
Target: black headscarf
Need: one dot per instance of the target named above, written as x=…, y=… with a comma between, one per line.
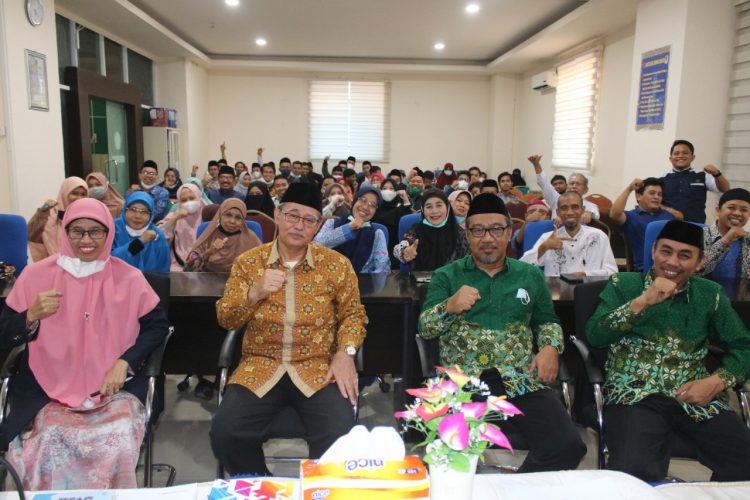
x=177, y=185
x=436, y=245
x=261, y=203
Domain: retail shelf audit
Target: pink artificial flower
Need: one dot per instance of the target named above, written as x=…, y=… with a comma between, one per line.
x=501, y=404
x=448, y=386
x=454, y=431
x=406, y=414
x=474, y=410
x=494, y=435
x=431, y=395
x=427, y=412
x=455, y=374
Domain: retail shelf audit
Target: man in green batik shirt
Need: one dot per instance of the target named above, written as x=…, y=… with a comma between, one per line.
x=487, y=310
x=657, y=326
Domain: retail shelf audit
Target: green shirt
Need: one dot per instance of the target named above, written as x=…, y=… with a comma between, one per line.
x=498, y=331
x=665, y=346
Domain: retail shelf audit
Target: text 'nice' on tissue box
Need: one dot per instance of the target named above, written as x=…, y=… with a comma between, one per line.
x=365, y=479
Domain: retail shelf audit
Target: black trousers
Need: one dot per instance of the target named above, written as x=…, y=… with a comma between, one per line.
x=639, y=438
x=242, y=422
x=552, y=438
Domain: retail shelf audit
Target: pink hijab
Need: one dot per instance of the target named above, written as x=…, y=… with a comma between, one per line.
x=51, y=234
x=98, y=316
x=112, y=198
x=186, y=228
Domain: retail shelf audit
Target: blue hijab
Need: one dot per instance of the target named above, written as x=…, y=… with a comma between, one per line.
x=359, y=249
x=154, y=255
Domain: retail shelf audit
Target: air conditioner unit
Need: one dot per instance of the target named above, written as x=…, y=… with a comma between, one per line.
x=544, y=80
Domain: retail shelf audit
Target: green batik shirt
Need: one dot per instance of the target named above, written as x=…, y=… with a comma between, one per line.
x=498, y=331
x=665, y=346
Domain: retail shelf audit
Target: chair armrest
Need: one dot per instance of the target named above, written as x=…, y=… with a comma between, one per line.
x=10, y=366
x=563, y=373
x=153, y=363
x=226, y=354
x=593, y=373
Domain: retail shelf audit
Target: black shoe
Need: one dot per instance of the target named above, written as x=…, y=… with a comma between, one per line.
x=204, y=389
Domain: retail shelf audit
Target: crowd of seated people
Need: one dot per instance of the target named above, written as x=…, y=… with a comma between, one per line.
x=461, y=233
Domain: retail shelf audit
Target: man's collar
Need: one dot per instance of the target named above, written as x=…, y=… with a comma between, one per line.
x=678, y=171
x=275, y=256
x=470, y=265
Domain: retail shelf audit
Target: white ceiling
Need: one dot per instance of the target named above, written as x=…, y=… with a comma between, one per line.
x=504, y=36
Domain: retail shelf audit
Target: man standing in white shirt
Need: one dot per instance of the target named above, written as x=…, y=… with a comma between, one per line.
x=577, y=183
x=572, y=248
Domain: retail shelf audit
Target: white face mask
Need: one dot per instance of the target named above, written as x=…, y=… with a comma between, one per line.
x=79, y=268
x=482, y=179
x=98, y=192
x=463, y=184
x=255, y=174
x=191, y=206
x=136, y=233
x=388, y=194
x=148, y=186
x=448, y=172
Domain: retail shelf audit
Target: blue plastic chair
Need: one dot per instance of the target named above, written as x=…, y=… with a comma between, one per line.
x=385, y=232
x=404, y=223
x=14, y=246
x=533, y=231
x=251, y=225
x=652, y=231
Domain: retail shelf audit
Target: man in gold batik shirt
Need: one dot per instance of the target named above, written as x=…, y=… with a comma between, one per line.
x=305, y=322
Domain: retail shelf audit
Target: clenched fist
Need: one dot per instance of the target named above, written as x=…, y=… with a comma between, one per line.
x=660, y=290
x=46, y=304
x=462, y=300
x=271, y=282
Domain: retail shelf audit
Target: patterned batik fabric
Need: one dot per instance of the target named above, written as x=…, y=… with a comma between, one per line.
x=81, y=448
x=665, y=346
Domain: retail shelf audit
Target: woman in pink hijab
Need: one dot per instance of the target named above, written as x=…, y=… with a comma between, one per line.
x=100, y=189
x=89, y=320
x=44, y=225
x=180, y=226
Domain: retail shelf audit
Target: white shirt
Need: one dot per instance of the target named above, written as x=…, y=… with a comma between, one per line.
x=710, y=179
x=551, y=196
x=589, y=252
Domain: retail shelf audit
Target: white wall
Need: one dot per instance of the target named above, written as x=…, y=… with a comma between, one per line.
x=432, y=120
x=502, y=133
x=196, y=122
x=33, y=149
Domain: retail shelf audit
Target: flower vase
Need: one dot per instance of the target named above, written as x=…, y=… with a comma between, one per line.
x=450, y=484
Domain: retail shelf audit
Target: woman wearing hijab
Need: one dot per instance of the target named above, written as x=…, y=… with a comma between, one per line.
x=259, y=198
x=181, y=225
x=395, y=204
x=460, y=201
x=355, y=237
x=335, y=202
x=100, y=189
x=137, y=239
x=225, y=238
x=171, y=182
x=243, y=183
x=447, y=176
x=197, y=182
x=44, y=227
x=435, y=240
x=89, y=321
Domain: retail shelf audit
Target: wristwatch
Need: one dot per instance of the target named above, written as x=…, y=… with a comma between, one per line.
x=350, y=350
x=717, y=174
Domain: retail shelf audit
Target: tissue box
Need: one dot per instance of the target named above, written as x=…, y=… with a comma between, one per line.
x=365, y=479
x=253, y=488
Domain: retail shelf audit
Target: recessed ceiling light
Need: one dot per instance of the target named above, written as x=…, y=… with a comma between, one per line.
x=261, y=41
x=472, y=8
x=439, y=46
x=232, y=3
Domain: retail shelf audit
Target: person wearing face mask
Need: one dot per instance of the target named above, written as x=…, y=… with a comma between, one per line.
x=44, y=228
x=226, y=237
x=171, y=182
x=148, y=174
x=460, y=201
x=395, y=204
x=436, y=239
x=180, y=226
x=259, y=199
x=267, y=173
x=137, y=239
x=355, y=237
x=461, y=183
x=415, y=189
x=100, y=189
x=447, y=177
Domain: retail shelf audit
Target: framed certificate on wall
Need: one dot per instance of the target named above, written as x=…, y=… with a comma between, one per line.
x=36, y=80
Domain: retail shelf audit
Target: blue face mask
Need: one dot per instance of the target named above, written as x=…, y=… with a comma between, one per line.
x=460, y=220
x=436, y=226
x=285, y=171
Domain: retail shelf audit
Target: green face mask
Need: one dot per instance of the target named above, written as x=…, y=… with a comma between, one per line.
x=460, y=220
x=413, y=190
x=436, y=226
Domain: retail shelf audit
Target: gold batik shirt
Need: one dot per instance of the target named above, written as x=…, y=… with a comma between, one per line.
x=297, y=329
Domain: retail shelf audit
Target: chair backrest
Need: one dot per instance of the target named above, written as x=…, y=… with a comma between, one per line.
x=404, y=223
x=516, y=209
x=209, y=211
x=429, y=355
x=385, y=233
x=161, y=284
x=585, y=302
x=251, y=225
x=533, y=231
x=652, y=231
x=601, y=201
x=267, y=224
x=14, y=245
x=601, y=226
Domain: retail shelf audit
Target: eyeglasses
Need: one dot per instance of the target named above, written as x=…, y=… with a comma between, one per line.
x=370, y=204
x=309, y=221
x=96, y=233
x=139, y=211
x=495, y=231
x=148, y=174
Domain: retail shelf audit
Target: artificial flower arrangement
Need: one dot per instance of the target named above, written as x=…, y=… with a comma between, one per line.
x=455, y=427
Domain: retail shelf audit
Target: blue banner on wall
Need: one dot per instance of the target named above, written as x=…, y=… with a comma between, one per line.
x=652, y=96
